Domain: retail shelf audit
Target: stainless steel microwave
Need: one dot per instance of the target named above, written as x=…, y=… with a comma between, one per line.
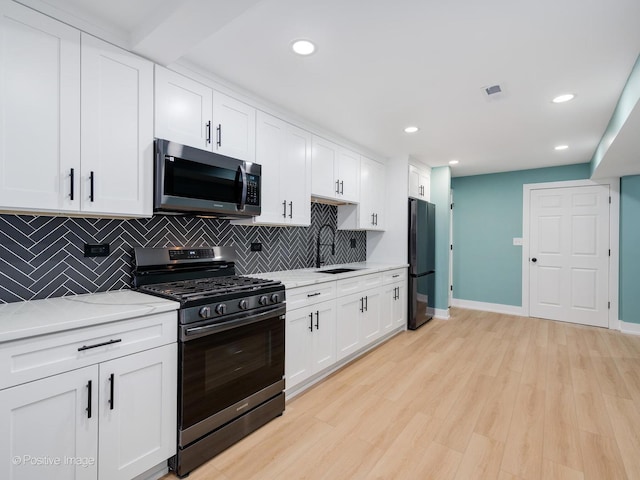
x=193, y=181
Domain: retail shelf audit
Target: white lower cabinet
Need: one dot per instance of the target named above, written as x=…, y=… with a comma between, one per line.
x=310, y=341
x=393, y=311
x=358, y=321
x=112, y=420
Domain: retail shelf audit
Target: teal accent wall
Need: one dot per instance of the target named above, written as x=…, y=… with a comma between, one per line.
x=487, y=215
x=629, y=97
x=629, y=301
x=440, y=190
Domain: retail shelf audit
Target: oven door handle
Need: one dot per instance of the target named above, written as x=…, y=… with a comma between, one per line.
x=190, y=333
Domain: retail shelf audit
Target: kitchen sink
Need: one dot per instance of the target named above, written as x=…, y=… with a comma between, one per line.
x=338, y=270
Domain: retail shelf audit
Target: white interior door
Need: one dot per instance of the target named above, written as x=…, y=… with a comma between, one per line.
x=569, y=254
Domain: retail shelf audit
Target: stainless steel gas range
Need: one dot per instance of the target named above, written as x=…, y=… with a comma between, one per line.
x=231, y=346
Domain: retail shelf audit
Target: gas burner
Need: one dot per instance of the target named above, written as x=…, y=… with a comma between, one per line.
x=185, y=290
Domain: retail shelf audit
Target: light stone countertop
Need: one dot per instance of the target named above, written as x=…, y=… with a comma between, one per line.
x=310, y=276
x=38, y=317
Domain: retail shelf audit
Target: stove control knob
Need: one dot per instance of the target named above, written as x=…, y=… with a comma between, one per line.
x=221, y=309
x=275, y=298
x=243, y=304
x=205, y=312
x=264, y=300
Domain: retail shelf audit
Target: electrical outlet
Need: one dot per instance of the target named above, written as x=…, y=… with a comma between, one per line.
x=256, y=247
x=96, y=250
x=352, y=242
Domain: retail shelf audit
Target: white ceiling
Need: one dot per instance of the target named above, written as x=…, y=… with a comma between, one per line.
x=382, y=65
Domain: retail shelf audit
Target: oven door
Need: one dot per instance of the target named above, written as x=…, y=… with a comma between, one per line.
x=229, y=368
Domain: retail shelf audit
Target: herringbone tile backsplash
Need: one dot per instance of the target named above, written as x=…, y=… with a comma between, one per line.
x=42, y=257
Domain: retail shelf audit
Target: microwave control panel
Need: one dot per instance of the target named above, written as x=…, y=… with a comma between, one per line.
x=253, y=190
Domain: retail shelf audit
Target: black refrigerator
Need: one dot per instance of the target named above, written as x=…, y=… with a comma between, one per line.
x=422, y=259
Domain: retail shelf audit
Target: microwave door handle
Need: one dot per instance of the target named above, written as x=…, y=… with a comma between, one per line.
x=241, y=176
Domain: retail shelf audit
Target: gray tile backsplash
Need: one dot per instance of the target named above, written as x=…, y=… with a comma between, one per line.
x=42, y=257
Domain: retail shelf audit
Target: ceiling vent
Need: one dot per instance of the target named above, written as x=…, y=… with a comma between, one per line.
x=493, y=90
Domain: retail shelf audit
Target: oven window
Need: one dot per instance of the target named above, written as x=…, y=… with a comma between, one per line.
x=224, y=368
x=183, y=178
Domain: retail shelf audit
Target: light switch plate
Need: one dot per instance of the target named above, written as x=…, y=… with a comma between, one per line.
x=517, y=241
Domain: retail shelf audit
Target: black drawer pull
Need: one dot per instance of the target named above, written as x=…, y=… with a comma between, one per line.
x=317, y=319
x=88, y=409
x=313, y=294
x=88, y=347
x=311, y=321
x=111, y=382
x=395, y=276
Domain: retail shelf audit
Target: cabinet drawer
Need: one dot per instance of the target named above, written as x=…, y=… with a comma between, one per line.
x=303, y=296
x=357, y=284
x=392, y=276
x=33, y=358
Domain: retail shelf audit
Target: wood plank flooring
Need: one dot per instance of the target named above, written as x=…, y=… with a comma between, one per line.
x=480, y=396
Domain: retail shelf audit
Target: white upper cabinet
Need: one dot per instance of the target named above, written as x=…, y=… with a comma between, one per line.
x=76, y=120
x=284, y=152
x=39, y=111
x=369, y=213
x=183, y=110
x=419, y=183
x=194, y=114
x=235, y=128
x=116, y=131
x=335, y=171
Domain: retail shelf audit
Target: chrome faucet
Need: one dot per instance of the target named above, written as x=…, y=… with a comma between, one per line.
x=319, y=261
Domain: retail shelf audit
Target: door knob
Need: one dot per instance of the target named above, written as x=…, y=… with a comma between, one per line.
x=534, y=259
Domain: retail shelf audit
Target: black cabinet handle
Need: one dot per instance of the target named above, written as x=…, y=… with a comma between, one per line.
x=88, y=409
x=111, y=383
x=91, y=186
x=311, y=321
x=290, y=209
x=337, y=186
x=71, y=180
x=342, y=187
x=534, y=259
x=209, y=131
x=219, y=135
x=376, y=215
x=362, y=304
x=317, y=319
x=88, y=347
x=373, y=219
x=313, y=294
x=284, y=209
x=395, y=276
x=366, y=303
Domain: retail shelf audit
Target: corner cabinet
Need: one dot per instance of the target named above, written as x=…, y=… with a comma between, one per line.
x=335, y=172
x=93, y=408
x=369, y=213
x=284, y=152
x=194, y=114
x=419, y=183
x=95, y=100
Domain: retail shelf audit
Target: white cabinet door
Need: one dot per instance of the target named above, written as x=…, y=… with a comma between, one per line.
x=419, y=183
x=348, y=175
x=298, y=346
x=295, y=176
x=138, y=408
x=324, y=155
x=324, y=335
x=349, y=310
x=116, y=130
x=183, y=110
x=270, y=150
x=39, y=111
x=399, y=310
x=49, y=428
x=393, y=306
x=234, y=128
x=370, y=319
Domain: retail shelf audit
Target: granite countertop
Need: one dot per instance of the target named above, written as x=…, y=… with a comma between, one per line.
x=38, y=317
x=309, y=276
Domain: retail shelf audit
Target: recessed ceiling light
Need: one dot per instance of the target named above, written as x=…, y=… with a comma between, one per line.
x=562, y=147
x=411, y=129
x=303, y=47
x=453, y=162
x=564, y=98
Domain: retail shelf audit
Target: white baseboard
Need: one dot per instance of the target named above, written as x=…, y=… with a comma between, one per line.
x=441, y=314
x=487, y=307
x=631, y=328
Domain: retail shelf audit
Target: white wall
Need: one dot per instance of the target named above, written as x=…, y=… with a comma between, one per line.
x=390, y=246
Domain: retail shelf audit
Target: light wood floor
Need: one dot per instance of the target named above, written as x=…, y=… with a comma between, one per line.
x=479, y=396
